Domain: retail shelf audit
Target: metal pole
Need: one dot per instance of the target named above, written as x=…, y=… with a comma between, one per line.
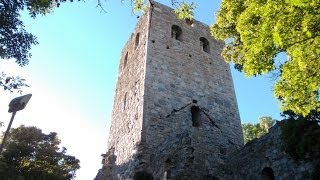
x=7, y=131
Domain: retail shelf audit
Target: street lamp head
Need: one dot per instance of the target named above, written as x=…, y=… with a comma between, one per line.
x=15, y=105
x=19, y=103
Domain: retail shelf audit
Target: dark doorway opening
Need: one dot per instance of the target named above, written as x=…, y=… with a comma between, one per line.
x=267, y=173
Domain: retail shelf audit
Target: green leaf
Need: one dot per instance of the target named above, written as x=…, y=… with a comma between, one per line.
x=257, y=30
x=185, y=10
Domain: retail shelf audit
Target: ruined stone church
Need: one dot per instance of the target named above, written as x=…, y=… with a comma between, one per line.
x=175, y=113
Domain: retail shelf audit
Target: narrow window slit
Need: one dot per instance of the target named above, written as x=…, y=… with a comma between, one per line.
x=125, y=101
x=137, y=41
x=125, y=60
x=195, y=112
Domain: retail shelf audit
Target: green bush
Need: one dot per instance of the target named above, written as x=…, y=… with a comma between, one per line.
x=301, y=138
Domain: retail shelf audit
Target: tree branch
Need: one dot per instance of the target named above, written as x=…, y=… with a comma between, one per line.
x=301, y=41
x=99, y=5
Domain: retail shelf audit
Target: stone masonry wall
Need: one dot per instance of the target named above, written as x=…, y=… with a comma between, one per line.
x=127, y=110
x=175, y=114
x=179, y=75
x=178, y=72
x=264, y=159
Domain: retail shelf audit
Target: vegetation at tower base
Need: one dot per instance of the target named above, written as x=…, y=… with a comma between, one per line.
x=253, y=131
x=257, y=31
x=300, y=137
x=31, y=154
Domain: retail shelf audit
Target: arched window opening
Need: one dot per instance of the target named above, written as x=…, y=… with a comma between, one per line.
x=125, y=60
x=137, y=40
x=195, y=112
x=204, y=43
x=267, y=173
x=176, y=32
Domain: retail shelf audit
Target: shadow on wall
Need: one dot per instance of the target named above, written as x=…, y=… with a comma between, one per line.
x=135, y=167
x=178, y=153
x=138, y=166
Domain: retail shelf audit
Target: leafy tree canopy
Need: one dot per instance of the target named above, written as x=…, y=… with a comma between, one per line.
x=256, y=31
x=253, y=131
x=31, y=154
x=15, y=41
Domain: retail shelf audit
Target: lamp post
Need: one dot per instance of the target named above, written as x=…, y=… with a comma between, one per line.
x=15, y=105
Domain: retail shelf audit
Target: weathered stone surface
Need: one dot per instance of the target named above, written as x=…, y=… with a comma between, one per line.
x=154, y=132
x=265, y=153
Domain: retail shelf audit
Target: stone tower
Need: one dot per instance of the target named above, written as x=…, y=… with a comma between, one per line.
x=175, y=114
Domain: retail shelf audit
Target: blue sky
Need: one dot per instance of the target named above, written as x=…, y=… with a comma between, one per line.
x=73, y=72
